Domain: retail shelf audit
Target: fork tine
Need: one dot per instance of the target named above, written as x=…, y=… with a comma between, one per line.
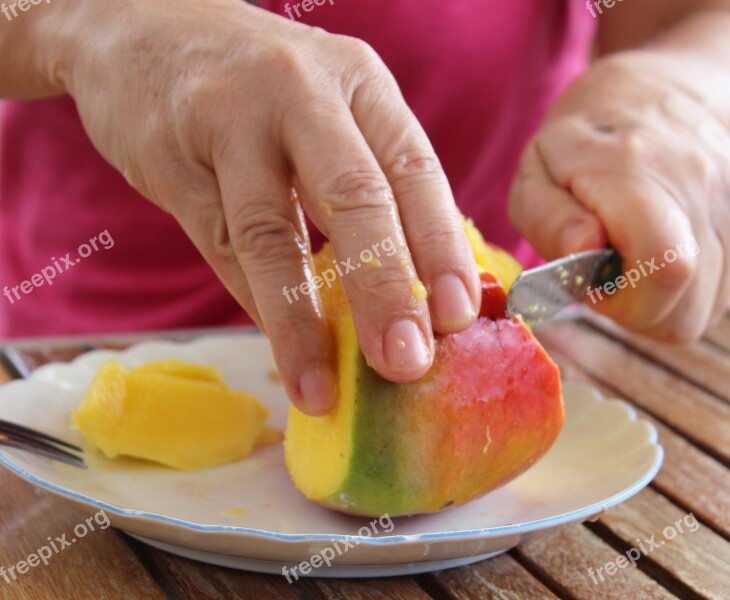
x=10, y=428
x=32, y=438
x=43, y=449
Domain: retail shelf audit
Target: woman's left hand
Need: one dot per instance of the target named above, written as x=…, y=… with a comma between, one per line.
x=629, y=157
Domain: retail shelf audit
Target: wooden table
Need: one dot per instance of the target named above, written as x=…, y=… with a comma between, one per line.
x=684, y=391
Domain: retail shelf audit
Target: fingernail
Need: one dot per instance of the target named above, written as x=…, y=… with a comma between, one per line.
x=405, y=349
x=580, y=234
x=318, y=390
x=452, y=304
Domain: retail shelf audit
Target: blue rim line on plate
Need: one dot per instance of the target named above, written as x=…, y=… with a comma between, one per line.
x=519, y=528
x=298, y=537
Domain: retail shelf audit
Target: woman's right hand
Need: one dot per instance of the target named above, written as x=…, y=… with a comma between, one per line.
x=214, y=110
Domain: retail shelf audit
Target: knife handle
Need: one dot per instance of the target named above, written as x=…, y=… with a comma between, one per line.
x=610, y=271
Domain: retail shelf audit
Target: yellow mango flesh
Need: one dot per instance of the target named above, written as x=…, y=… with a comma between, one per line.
x=177, y=414
x=321, y=453
x=330, y=437
x=490, y=258
x=181, y=369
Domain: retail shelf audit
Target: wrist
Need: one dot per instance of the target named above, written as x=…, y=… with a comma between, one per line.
x=67, y=37
x=52, y=44
x=34, y=44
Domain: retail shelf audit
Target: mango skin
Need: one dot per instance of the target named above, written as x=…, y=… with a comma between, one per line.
x=466, y=428
x=177, y=414
x=488, y=409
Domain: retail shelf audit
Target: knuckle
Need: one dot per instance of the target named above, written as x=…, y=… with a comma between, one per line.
x=706, y=170
x=264, y=238
x=631, y=145
x=441, y=233
x=297, y=76
x=384, y=285
x=364, y=65
x=279, y=58
x=361, y=52
x=192, y=93
x=221, y=243
x=677, y=274
x=200, y=214
x=415, y=163
x=358, y=191
x=295, y=326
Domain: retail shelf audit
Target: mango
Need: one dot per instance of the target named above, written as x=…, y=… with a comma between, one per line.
x=487, y=410
x=177, y=414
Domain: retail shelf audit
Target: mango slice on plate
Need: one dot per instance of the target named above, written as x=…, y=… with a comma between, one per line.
x=178, y=414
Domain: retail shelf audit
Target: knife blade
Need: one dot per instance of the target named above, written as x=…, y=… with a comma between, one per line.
x=540, y=293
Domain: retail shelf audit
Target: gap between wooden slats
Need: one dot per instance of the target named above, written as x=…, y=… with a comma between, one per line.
x=500, y=578
x=703, y=364
x=688, y=476
x=563, y=560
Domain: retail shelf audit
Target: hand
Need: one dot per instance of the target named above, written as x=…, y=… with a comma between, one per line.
x=215, y=110
x=629, y=158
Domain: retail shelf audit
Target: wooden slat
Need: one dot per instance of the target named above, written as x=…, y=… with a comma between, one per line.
x=396, y=588
x=698, y=415
x=704, y=364
x=499, y=578
x=688, y=476
x=183, y=578
x=720, y=334
x=564, y=559
x=699, y=558
x=97, y=566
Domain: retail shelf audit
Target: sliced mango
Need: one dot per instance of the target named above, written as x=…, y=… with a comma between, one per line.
x=178, y=414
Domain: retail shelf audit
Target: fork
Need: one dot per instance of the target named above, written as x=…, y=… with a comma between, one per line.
x=24, y=438
x=36, y=442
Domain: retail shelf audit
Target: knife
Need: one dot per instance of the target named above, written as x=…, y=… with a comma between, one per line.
x=540, y=293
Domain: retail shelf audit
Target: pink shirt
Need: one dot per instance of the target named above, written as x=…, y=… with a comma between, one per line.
x=479, y=75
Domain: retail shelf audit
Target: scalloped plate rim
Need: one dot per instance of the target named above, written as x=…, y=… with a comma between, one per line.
x=483, y=533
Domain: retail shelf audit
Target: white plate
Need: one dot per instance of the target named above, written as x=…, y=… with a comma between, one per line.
x=603, y=456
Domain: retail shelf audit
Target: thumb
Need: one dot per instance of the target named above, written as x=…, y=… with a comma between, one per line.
x=548, y=215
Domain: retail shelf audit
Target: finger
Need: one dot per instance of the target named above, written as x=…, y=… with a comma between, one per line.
x=643, y=231
x=431, y=221
x=722, y=304
x=269, y=240
x=548, y=215
x=350, y=200
x=201, y=217
x=642, y=218
x=692, y=315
